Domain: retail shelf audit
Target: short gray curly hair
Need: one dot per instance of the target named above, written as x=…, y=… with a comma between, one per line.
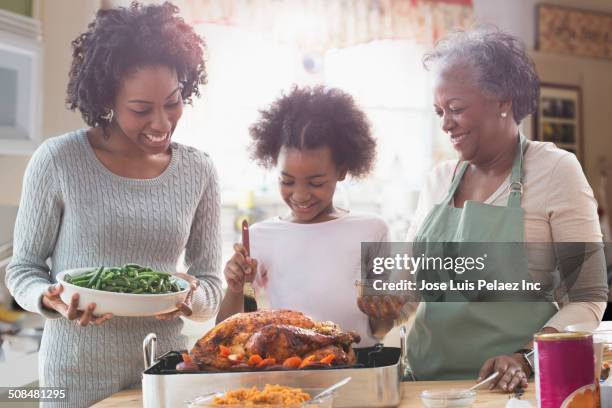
x=502, y=65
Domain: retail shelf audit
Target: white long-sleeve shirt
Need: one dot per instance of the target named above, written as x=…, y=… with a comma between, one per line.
x=312, y=268
x=559, y=206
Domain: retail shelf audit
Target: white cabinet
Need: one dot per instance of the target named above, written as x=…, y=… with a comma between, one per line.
x=20, y=84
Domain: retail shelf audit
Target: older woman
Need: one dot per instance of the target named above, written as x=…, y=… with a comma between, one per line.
x=119, y=191
x=502, y=189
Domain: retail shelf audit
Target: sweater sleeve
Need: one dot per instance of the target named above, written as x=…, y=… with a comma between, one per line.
x=36, y=228
x=572, y=211
x=203, y=249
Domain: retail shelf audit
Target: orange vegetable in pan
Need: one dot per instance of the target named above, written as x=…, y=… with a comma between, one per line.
x=292, y=362
x=224, y=351
x=307, y=361
x=254, y=360
x=266, y=362
x=328, y=359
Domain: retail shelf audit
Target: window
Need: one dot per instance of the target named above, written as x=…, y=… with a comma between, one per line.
x=246, y=72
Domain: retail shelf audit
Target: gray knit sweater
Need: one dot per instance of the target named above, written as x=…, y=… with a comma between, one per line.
x=76, y=213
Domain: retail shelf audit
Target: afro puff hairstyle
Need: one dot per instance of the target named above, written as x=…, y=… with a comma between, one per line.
x=313, y=117
x=123, y=39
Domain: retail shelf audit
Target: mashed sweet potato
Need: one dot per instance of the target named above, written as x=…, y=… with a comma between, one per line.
x=270, y=395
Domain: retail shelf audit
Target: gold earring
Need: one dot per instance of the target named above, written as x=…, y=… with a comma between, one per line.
x=109, y=116
x=504, y=114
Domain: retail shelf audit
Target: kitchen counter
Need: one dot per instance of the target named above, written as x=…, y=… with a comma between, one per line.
x=410, y=395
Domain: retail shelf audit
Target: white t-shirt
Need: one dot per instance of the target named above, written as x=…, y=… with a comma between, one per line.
x=559, y=206
x=312, y=268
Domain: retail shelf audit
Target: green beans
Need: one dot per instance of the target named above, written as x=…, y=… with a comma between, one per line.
x=96, y=277
x=130, y=278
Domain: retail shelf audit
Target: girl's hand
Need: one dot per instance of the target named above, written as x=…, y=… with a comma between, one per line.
x=51, y=300
x=381, y=307
x=511, y=369
x=239, y=269
x=183, y=308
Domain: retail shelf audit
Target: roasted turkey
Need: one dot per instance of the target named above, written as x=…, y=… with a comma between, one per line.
x=274, y=338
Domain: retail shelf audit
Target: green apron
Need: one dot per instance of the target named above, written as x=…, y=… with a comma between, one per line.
x=452, y=340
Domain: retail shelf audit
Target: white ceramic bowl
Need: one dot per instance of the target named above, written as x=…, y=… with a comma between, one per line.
x=121, y=304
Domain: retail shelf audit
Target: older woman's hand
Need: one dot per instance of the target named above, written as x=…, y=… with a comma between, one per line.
x=51, y=300
x=183, y=308
x=512, y=368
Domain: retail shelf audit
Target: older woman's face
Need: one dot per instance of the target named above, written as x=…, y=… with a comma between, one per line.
x=469, y=116
x=148, y=107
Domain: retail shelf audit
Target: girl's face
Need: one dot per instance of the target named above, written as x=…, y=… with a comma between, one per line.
x=307, y=182
x=148, y=107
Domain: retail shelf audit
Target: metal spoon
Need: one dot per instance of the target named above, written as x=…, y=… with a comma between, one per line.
x=332, y=388
x=486, y=380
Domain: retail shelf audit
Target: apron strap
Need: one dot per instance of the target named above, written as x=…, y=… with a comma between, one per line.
x=516, y=177
x=456, y=180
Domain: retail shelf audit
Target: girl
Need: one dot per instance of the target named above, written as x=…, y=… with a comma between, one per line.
x=309, y=258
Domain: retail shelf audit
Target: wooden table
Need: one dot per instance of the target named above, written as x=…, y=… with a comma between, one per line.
x=410, y=395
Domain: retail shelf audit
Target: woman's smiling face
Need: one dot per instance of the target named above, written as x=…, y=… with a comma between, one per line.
x=148, y=107
x=470, y=116
x=307, y=182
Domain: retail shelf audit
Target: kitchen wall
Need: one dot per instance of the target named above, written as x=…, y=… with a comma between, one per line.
x=593, y=76
x=61, y=22
x=518, y=17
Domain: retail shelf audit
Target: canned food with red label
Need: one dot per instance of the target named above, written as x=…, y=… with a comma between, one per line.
x=564, y=367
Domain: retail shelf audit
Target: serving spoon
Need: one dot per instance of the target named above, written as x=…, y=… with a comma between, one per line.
x=247, y=287
x=332, y=388
x=486, y=380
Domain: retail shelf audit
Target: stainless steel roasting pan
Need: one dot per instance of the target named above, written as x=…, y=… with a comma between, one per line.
x=375, y=379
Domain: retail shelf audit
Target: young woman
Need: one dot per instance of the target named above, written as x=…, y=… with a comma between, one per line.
x=309, y=259
x=118, y=192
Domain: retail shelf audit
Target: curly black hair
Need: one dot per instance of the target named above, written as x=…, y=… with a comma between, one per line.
x=122, y=39
x=313, y=117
